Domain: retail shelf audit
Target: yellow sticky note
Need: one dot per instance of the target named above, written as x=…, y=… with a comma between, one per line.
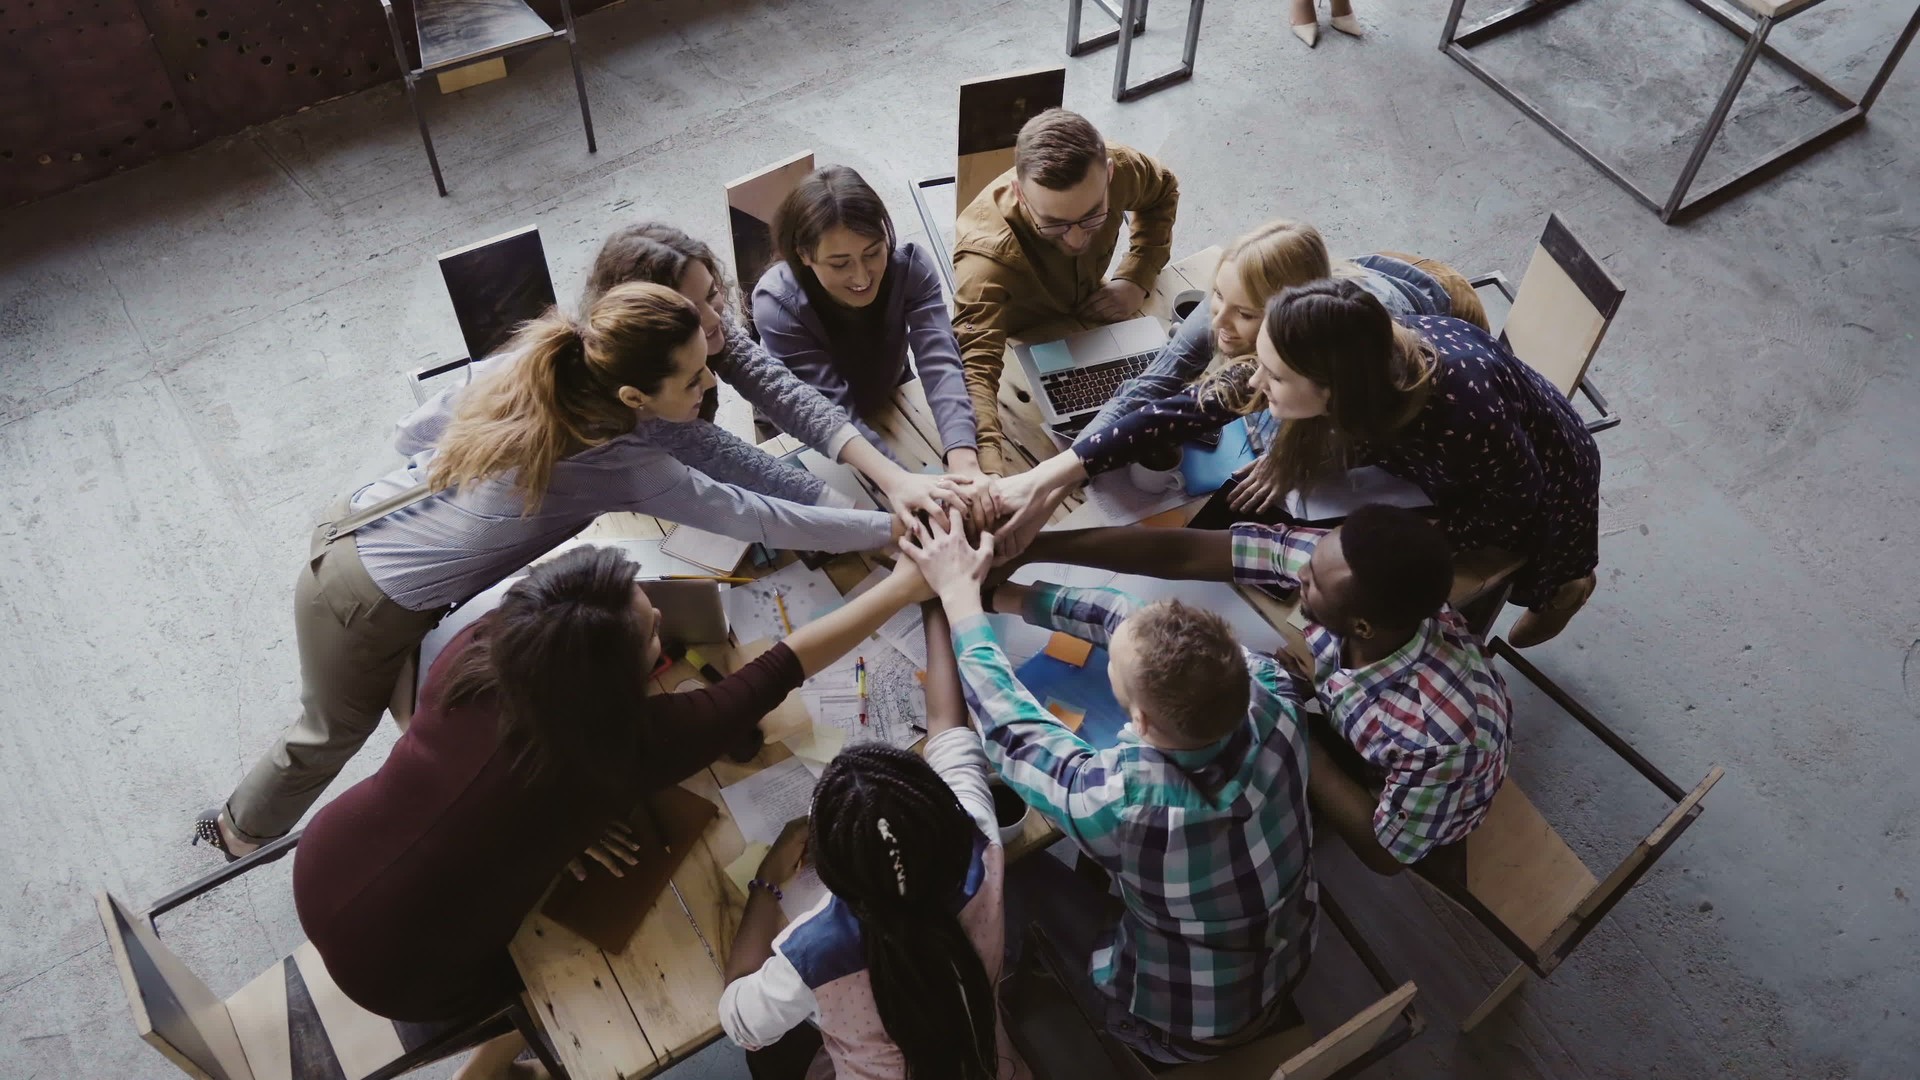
x=1069, y=649
x=741, y=870
x=820, y=744
x=1168, y=519
x=1067, y=714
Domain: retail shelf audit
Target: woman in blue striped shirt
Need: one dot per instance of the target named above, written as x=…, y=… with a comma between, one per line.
x=550, y=435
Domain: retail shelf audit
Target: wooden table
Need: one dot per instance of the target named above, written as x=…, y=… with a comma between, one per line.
x=625, y=1015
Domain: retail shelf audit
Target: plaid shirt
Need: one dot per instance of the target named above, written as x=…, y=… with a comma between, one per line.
x=1432, y=716
x=1210, y=847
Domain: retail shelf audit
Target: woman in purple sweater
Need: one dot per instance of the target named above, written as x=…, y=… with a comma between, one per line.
x=848, y=300
x=534, y=732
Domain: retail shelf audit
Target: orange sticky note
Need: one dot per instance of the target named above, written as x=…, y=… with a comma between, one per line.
x=1068, y=649
x=1175, y=518
x=1066, y=713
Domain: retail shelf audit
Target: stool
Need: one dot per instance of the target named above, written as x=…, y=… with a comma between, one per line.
x=1131, y=20
x=1766, y=13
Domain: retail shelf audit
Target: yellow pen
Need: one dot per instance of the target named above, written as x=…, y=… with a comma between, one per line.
x=780, y=599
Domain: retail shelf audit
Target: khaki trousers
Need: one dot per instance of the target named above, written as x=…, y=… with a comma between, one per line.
x=353, y=641
x=1466, y=302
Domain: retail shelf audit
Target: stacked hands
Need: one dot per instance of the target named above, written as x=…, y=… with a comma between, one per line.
x=949, y=564
x=1010, y=509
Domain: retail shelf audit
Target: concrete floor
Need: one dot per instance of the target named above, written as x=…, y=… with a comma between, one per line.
x=199, y=355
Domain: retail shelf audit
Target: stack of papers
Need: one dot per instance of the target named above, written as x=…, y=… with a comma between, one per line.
x=710, y=551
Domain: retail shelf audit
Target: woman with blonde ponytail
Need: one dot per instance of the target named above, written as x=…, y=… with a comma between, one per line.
x=1253, y=269
x=549, y=435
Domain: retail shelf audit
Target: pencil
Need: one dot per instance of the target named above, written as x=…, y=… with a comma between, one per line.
x=780, y=599
x=860, y=671
x=705, y=577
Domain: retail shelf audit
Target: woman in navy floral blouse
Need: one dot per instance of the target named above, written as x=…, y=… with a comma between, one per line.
x=1439, y=402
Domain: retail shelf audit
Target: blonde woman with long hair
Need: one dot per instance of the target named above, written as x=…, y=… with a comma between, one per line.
x=548, y=436
x=1256, y=267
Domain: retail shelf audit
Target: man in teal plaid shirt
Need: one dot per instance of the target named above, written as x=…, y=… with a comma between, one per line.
x=1199, y=813
x=1416, y=716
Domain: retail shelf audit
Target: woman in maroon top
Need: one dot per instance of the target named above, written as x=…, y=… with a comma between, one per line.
x=534, y=731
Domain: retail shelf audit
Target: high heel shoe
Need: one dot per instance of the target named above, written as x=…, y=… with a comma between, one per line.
x=1309, y=31
x=1346, y=24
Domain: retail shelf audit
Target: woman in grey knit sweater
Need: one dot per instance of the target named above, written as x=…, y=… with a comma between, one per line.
x=664, y=255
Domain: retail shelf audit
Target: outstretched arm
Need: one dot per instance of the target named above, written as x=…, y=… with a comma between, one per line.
x=833, y=635
x=946, y=702
x=1178, y=554
x=1050, y=767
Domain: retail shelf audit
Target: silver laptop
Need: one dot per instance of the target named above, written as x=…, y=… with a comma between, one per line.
x=1074, y=376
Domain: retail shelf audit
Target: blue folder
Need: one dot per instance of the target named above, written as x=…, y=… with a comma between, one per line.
x=1206, y=470
x=1085, y=688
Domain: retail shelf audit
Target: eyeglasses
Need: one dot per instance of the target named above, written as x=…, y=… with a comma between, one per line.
x=1085, y=224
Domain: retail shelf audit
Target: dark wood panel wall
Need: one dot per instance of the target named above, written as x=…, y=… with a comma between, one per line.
x=89, y=87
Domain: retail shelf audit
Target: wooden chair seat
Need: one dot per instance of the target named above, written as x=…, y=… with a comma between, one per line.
x=1477, y=573
x=1522, y=872
x=292, y=1022
x=1255, y=1061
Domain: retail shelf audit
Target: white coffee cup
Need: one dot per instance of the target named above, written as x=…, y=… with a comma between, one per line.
x=1156, y=481
x=1003, y=800
x=1183, y=304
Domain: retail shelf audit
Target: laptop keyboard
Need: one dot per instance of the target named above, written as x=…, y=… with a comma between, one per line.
x=1087, y=388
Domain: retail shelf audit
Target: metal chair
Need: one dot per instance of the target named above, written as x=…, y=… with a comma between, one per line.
x=1383, y=1026
x=1676, y=205
x=1556, y=320
x=289, y=1023
x=1130, y=21
x=992, y=111
x=494, y=285
x=455, y=33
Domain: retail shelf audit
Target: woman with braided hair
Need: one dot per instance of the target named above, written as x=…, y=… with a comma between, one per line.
x=897, y=966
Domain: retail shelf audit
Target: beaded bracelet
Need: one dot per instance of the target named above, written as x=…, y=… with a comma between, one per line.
x=772, y=889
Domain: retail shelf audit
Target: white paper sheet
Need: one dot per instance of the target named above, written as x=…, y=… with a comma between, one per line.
x=763, y=803
x=906, y=630
x=753, y=613
x=817, y=746
x=1112, y=499
x=1368, y=484
x=803, y=893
